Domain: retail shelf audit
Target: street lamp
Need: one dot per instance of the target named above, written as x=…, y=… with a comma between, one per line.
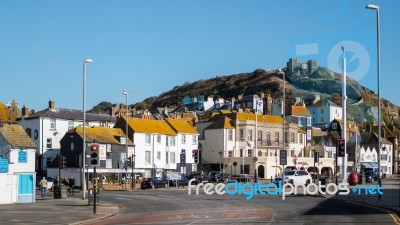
x=220, y=161
x=133, y=166
x=126, y=123
x=276, y=163
x=375, y=7
x=84, y=132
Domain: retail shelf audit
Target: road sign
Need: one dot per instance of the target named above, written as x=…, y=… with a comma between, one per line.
x=22, y=156
x=183, y=159
x=255, y=159
x=283, y=157
x=3, y=165
x=235, y=163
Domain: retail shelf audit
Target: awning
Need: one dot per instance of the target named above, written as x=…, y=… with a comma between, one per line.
x=374, y=164
x=366, y=165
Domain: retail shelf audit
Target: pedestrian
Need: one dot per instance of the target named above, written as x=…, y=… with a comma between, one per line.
x=66, y=183
x=71, y=185
x=43, y=187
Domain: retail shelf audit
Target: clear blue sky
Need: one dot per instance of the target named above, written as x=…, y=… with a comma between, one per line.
x=148, y=47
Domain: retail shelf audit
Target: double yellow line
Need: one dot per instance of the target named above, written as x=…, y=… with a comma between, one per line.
x=392, y=214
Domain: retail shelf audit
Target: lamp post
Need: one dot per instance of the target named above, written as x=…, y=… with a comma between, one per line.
x=84, y=125
x=126, y=123
x=344, y=116
x=133, y=166
x=220, y=161
x=376, y=8
x=276, y=163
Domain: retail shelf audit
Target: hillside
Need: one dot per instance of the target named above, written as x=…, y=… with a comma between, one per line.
x=321, y=82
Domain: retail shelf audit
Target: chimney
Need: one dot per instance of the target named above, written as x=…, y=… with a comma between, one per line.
x=267, y=104
x=52, y=104
x=25, y=111
x=316, y=99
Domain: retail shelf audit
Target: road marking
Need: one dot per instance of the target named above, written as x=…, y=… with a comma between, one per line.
x=392, y=214
x=168, y=196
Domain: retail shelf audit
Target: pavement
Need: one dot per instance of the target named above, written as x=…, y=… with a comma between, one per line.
x=75, y=211
x=71, y=210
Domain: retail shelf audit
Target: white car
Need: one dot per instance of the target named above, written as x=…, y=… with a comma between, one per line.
x=298, y=177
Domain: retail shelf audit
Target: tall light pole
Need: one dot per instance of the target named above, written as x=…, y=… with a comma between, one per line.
x=126, y=123
x=344, y=116
x=84, y=125
x=376, y=8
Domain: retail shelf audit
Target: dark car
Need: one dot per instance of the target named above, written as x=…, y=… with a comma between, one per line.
x=217, y=176
x=371, y=176
x=154, y=182
x=195, y=175
x=181, y=182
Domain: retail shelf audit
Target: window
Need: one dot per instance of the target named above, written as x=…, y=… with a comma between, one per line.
x=53, y=124
x=300, y=122
x=230, y=135
x=194, y=140
x=308, y=121
x=241, y=134
x=166, y=158
x=183, y=151
x=334, y=126
x=276, y=137
x=147, y=157
x=322, y=119
x=249, y=152
x=241, y=152
x=384, y=157
x=28, y=132
x=259, y=136
x=250, y=135
x=322, y=110
x=172, y=157
x=300, y=138
x=268, y=138
x=259, y=153
x=308, y=135
x=230, y=153
x=158, y=139
x=166, y=141
x=109, y=163
x=292, y=137
x=172, y=139
x=183, y=140
x=147, y=139
x=158, y=155
x=249, y=104
x=49, y=143
x=70, y=124
x=313, y=120
x=48, y=161
x=72, y=146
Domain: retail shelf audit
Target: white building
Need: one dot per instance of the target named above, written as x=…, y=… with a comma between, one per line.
x=48, y=126
x=323, y=112
x=17, y=166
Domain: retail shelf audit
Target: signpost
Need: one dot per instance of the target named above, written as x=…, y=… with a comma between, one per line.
x=283, y=157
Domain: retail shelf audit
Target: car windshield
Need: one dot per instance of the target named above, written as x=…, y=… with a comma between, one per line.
x=289, y=173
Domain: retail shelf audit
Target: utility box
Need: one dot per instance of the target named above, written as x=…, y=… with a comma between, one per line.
x=91, y=196
x=60, y=191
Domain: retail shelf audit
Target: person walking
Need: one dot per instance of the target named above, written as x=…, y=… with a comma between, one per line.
x=66, y=183
x=71, y=185
x=43, y=187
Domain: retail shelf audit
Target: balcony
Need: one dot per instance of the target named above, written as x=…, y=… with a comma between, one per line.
x=268, y=143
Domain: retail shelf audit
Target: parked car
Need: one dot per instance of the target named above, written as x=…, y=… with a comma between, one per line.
x=195, y=175
x=371, y=176
x=217, y=176
x=181, y=182
x=152, y=182
x=298, y=177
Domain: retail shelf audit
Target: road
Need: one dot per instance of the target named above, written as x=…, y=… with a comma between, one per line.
x=172, y=206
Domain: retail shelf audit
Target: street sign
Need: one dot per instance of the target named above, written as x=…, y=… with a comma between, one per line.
x=183, y=159
x=255, y=159
x=235, y=163
x=22, y=156
x=283, y=157
x=3, y=165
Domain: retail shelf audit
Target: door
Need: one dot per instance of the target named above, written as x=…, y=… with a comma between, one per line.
x=26, y=188
x=261, y=171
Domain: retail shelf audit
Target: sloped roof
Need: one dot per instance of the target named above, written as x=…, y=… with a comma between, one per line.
x=182, y=126
x=15, y=135
x=70, y=114
x=4, y=112
x=221, y=122
x=316, y=132
x=300, y=111
x=301, y=131
x=101, y=134
x=324, y=102
x=150, y=126
x=260, y=118
x=368, y=138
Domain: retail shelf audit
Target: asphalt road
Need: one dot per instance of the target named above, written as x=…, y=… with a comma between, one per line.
x=171, y=206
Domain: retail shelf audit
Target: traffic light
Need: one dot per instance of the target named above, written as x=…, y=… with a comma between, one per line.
x=340, y=148
x=196, y=156
x=64, y=162
x=94, y=155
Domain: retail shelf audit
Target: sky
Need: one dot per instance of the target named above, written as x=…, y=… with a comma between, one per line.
x=149, y=47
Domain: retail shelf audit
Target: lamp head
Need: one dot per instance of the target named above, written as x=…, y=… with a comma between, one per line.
x=371, y=6
x=88, y=61
x=124, y=92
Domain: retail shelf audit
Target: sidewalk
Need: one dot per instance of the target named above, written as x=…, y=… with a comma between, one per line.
x=71, y=210
x=389, y=200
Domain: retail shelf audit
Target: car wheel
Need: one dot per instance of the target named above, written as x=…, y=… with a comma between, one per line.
x=291, y=181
